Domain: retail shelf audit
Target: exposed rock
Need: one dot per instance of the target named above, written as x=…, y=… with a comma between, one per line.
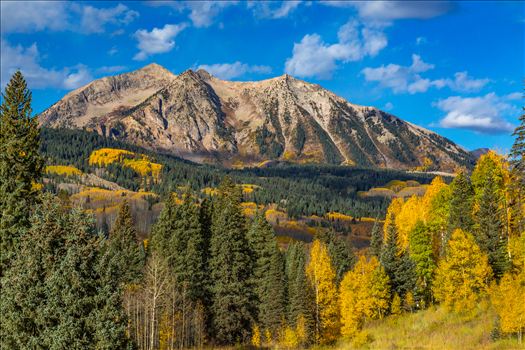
x=199, y=117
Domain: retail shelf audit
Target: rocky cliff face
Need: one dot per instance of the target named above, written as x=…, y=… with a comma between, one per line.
x=199, y=117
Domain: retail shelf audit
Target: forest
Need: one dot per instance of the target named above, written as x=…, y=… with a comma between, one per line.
x=209, y=277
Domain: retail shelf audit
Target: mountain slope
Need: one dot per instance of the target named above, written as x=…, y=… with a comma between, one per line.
x=199, y=117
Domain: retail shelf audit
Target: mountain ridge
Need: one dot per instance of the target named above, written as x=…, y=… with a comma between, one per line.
x=197, y=116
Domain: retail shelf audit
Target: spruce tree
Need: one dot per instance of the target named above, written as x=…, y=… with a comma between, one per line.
x=340, y=251
x=461, y=204
x=20, y=165
x=299, y=294
x=517, y=152
x=421, y=253
x=489, y=229
x=51, y=294
x=231, y=269
x=397, y=264
x=269, y=279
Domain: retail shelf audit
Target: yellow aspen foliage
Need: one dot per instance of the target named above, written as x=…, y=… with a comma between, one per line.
x=410, y=302
x=289, y=338
x=364, y=294
x=395, y=307
x=516, y=249
x=166, y=333
x=256, y=336
x=428, y=199
x=301, y=329
x=321, y=276
x=394, y=208
x=63, y=170
x=407, y=218
x=508, y=298
x=462, y=276
x=268, y=336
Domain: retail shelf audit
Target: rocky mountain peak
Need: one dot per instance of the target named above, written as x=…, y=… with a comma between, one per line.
x=205, y=119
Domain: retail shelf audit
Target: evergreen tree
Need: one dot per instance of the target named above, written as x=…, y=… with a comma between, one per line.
x=269, y=276
x=231, y=269
x=461, y=203
x=421, y=253
x=50, y=295
x=340, y=252
x=376, y=240
x=488, y=232
x=517, y=152
x=122, y=259
x=397, y=264
x=299, y=293
x=20, y=165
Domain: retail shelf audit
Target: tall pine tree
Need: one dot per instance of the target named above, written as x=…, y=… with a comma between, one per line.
x=20, y=165
x=231, y=269
x=397, y=264
x=340, y=251
x=269, y=279
x=51, y=293
x=299, y=294
x=376, y=240
x=461, y=204
x=489, y=230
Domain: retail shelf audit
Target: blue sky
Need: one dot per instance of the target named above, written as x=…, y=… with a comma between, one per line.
x=454, y=67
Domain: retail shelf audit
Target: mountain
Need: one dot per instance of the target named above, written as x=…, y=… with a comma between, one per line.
x=478, y=152
x=202, y=118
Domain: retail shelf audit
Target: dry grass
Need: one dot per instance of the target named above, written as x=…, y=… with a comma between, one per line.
x=434, y=329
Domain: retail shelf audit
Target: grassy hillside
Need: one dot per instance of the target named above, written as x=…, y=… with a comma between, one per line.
x=434, y=328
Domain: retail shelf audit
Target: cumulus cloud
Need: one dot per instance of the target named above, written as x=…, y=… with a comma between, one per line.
x=312, y=57
x=233, y=70
x=482, y=114
x=403, y=79
x=27, y=60
x=392, y=10
x=272, y=9
x=34, y=16
x=158, y=40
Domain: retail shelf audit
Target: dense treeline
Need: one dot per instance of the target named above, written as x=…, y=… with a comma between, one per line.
x=208, y=276
x=302, y=190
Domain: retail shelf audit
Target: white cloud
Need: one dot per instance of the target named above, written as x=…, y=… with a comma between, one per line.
x=233, y=70
x=403, y=79
x=273, y=9
x=514, y=96
x=112, y=51
x=94, y=20
x=482, y=114
x=158, y=40
x=463, y=83
x=201, y=13
x=312, y=57
x=111, y=69
x=34, y=16
x=388, y=106
x=27, y=60
x=392, y=10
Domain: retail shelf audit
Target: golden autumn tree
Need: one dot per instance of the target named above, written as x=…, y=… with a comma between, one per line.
x=321, y=276
x=411, y=212
x=393, y=210
x=364, y=294
x=508, y=300
x=462, y=276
